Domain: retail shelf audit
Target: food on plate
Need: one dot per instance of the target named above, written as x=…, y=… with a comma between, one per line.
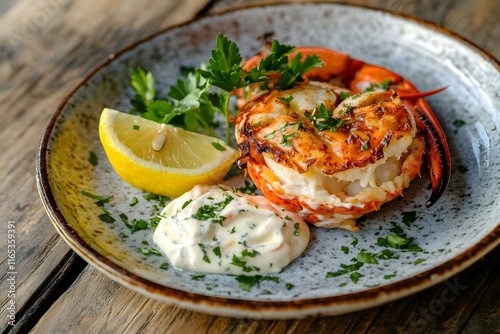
x=330, y=162
x=221, y=230
x=342, y=143
x=160, y=158
x=325, y=138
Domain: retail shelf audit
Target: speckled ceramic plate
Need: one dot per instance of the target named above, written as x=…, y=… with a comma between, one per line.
x=462, y=227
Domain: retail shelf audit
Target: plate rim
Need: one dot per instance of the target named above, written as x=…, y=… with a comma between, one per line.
x=216, y=305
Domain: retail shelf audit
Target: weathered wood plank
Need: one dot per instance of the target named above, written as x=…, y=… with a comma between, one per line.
x=36, y=71
x=486, y=315
x=45, y=47
x=49, y=291
x=470, y=19
x=104, y=305
x=445, y=307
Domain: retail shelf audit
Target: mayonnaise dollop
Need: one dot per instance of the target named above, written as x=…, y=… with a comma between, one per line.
x=218, y=230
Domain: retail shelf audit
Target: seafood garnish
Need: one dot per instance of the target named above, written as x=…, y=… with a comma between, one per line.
x=340, y=144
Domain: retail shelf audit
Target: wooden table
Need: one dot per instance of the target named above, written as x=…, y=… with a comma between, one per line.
x=45, y=47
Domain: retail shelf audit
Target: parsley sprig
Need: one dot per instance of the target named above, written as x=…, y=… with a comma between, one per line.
x=323, y=120
x=202, y=92
x=224, y=69
x=189, y=105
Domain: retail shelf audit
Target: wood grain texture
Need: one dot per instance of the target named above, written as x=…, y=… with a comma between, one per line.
x=45, y=47
x=104, y=306
x=473, y=20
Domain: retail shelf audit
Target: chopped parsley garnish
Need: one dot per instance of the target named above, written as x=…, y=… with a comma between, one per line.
x=159, y=198
x=248, y=253
x=186, y=203
x=398, y=242
x=106, y=218
x=124, y=218
x=101, y=200
x=285, y=139
x=239, y=262
x=93, y=158
x=390, y=276
x=155, y=221
x=193, y=101
x=205, y=255
x=347, y=109
x=322, y=119
x=397, y=239
x=289, y=286
x=134, y=201
x=236, y=261
x=149, y=251
x=355, y=277
x=217, y=251
x=197, y=276
x=409, y=217
x=135, y=127
x=270, y=135
x=366, y=257
x=354, y=241
x=344, y=95
x=135, y=225
x=218, y=146
x=296, y=227
x=248, y=282
x=345, y=269
x=386, y=254
x=139, y=224
x=286, y=100
x=396, y=229
x=210, y=211
x=285, y=136
x=249, y=188
x=164, y=266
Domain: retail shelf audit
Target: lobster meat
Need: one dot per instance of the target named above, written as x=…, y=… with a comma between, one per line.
x=338, y=145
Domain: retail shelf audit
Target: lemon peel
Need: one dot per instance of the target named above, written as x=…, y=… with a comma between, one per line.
x=160, y=158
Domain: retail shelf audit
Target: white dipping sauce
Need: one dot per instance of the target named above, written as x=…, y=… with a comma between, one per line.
x=216, y=230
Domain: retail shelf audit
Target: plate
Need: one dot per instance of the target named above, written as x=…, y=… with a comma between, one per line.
x=461, y=228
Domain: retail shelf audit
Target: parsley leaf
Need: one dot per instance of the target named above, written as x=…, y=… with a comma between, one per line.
x=248, y=282
x=224, y=69
x=93, y=158
x=323, y=120
x=286, y=100
x=143, y=83
x=345, y=269
x=189, y=104
x=193, y=101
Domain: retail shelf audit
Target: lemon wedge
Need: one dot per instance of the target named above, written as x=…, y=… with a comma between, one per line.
x=160, y=158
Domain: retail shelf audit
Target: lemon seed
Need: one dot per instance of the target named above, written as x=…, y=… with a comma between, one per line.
x=159, y=141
